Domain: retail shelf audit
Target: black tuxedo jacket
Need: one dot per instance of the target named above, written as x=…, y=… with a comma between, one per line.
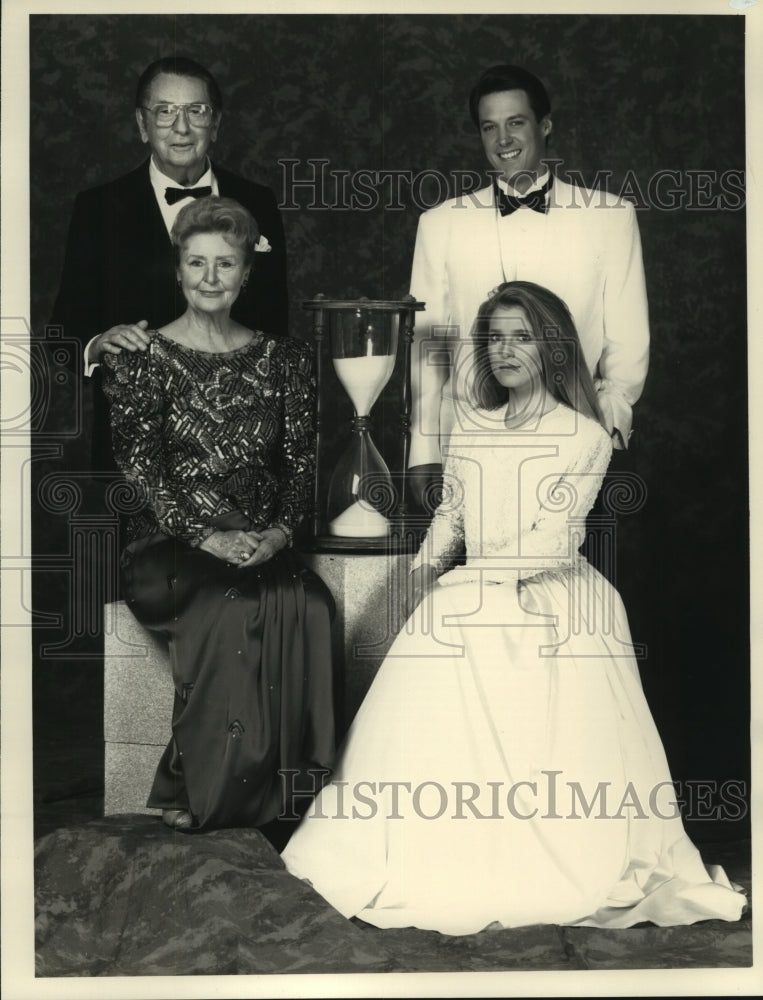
x=119, y=267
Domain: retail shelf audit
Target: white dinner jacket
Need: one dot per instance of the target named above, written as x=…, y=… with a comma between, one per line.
x=586, y=249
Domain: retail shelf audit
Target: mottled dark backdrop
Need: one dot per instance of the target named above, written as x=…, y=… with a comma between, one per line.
x=631, y=95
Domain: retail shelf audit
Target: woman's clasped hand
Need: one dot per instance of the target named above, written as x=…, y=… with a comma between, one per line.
x=245, y=548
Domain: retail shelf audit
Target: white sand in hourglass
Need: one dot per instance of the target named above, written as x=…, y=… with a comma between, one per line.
x=364, y=378
x=361, y=520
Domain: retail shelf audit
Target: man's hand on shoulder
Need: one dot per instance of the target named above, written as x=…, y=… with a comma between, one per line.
x=123, y=336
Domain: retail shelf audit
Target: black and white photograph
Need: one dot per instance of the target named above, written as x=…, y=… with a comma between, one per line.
x=379, y=457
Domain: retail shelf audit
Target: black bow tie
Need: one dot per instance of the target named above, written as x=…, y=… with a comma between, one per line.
x=171, y=195
x=536, y=200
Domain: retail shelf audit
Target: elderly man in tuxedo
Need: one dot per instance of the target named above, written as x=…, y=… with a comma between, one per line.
x=526, y=225
x=119, y=277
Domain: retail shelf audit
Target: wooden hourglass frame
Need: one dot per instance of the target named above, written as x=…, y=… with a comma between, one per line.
x=362, y=508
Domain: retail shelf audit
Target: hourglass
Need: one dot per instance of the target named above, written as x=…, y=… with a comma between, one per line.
x=361, y=501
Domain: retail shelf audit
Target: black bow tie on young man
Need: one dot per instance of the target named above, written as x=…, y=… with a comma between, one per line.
x=536, y=200
x=171, y=195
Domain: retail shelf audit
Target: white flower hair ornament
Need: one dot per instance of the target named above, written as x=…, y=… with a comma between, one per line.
x=262, y=245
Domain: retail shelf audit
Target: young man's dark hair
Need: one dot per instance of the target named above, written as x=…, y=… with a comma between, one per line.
x=500, y=78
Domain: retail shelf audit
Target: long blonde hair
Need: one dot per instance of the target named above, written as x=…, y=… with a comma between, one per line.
x=565, y=373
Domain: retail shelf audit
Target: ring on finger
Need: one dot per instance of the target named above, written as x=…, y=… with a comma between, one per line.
x=243, y=555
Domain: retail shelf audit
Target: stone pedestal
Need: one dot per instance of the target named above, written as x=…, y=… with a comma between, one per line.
x=138, y=692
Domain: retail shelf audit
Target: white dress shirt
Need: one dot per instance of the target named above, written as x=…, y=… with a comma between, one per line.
x=536, y=185
x=160, y=182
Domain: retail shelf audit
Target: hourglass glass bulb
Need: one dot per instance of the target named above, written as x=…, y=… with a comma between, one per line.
x=364, y=378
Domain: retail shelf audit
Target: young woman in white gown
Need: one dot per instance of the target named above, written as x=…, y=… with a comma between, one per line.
x=504, y=768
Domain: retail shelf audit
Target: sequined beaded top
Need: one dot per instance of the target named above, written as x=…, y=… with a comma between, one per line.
x=202, y=435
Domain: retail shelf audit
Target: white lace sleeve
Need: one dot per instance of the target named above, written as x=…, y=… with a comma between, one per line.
x=560, y=500
x=444, y=541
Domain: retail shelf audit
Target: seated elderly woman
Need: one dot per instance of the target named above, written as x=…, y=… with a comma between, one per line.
x=213, y=425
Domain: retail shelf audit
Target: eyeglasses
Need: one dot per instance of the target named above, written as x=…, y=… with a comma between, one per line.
x=167, y=114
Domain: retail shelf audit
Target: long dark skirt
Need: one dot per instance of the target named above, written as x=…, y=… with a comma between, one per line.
x=250, y=651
